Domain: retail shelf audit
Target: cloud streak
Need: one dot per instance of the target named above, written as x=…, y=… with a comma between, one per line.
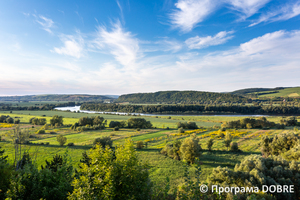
x=284, y=13
x=73, y=46
x=45, y=22
x=121, y=44
x=203, y=42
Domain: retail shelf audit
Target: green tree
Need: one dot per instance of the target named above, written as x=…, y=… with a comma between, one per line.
x=6, y=171
x=209, y=144
x=103, y=141
x=56, y=120
x=61, y=140
x=112, y=177
x=138, y=123
x=190, y=149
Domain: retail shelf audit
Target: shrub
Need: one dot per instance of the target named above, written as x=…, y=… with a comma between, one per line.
x=181, y=130
x=209, y=144
x=114, y=176
x=187, y=125
x=190, y=149
x=71, y=144
x=61, y=140
x=140, y=144
x=138, y=129
x=234, y=146
x=41, y=131
x=121, y=124
x=138, y=123
x=104, y=141
x=56, y=121
x=116, y=128
x=172, y=149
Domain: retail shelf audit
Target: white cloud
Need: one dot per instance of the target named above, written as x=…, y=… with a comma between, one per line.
x=121, y=44
x=202, y=42
x=46, y=23
x=190, y=12
x=247, y=7
x=73, y=46
x=284, y=13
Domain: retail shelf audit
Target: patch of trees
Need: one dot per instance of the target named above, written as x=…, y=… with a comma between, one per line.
x=119, y=124
x=38, y=121
x=284, y=144
x=192, y=109
x=6, y=107
x=6, y=119
x=249, y=123
x=189, y=150
x=180, y=97
x=256, y=171
x=89, y=123
x=187, y=125
x=138, y=123
x=57, y=121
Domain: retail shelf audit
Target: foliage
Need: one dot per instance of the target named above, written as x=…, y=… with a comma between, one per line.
x=51, y=182
x=255, y=171
x=279, y=144
x=139, y=144
x=138, y=123
x=38, y=121
x=250, y=123
x=234, y=146
x=209, y=144
x=6, y=171
x=290, y=121
x=180, y=130
x=120, y=124
x=104, y=141
x=187, y=125
x=108, y=178
x=190, y=149
x=61, y=140
x=95, y=120
x=56, y=120
x=41, y=131
x=172, y=149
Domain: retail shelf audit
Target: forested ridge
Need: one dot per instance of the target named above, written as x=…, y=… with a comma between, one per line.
x=180, y=97
x=55, y=97
x=192, y=109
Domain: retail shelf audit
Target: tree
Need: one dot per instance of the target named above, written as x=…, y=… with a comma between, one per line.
x=209, y=144
x=104, y=141
x=228, y=139
x=56, y=120
x=6, y=171
x=190, y=149
x=138, y=123
x=61, y=140
x=112, y=177
x=139, y=144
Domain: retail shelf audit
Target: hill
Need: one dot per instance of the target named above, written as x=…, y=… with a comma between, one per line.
x=56, y=97
x=180, y=97
x=269, y=92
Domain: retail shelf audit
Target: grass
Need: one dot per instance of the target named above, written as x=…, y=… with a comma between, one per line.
x=160, y=166
x=287, y=92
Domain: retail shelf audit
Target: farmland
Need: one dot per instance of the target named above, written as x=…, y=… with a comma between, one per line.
x=44, y=146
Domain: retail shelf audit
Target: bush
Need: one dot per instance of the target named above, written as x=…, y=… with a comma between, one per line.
x=121, y=124
x=109, y=175
x=172, y=149
x=190, y=149
x=56, y=121
x=116, y=128
x=41, y=131
x=181, y=130
x=140, y=144
x=61, y=140
x=37, y=121
x=70, y=144
x=255, y=171
x=104, y=141
x=187, y=125
x=138, y=123
x=209, y=144
x=234, y=146
x=138, y=129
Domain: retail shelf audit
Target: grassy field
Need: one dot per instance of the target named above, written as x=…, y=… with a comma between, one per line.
x=45, y=146
x=287, y=92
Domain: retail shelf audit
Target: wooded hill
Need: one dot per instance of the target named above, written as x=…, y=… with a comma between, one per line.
x=56, y=97
x=186, y=97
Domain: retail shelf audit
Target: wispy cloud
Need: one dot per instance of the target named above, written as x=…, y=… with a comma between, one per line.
x=190, y=12
x=247, y=8
x=73, y=46
x=121, y=12
x=202, y=42
x=46, y=23
x=283, y=13
x=121, y=44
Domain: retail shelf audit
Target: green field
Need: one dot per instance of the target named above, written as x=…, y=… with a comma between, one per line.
x=45, y=146
x=287, y=92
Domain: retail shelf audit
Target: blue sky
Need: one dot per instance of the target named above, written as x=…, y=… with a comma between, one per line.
x=125, y=46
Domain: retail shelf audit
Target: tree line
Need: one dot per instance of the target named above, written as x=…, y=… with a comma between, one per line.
x=193, y=109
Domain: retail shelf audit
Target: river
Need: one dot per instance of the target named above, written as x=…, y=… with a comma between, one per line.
x=77, y=108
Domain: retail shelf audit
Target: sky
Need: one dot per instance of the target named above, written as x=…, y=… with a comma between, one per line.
x=125, y=46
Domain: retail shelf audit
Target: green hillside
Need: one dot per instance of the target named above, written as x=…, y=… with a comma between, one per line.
x=180, y=97
x=269, y=92
x=56, y=97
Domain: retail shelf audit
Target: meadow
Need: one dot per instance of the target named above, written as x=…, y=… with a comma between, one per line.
x=45, y=146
